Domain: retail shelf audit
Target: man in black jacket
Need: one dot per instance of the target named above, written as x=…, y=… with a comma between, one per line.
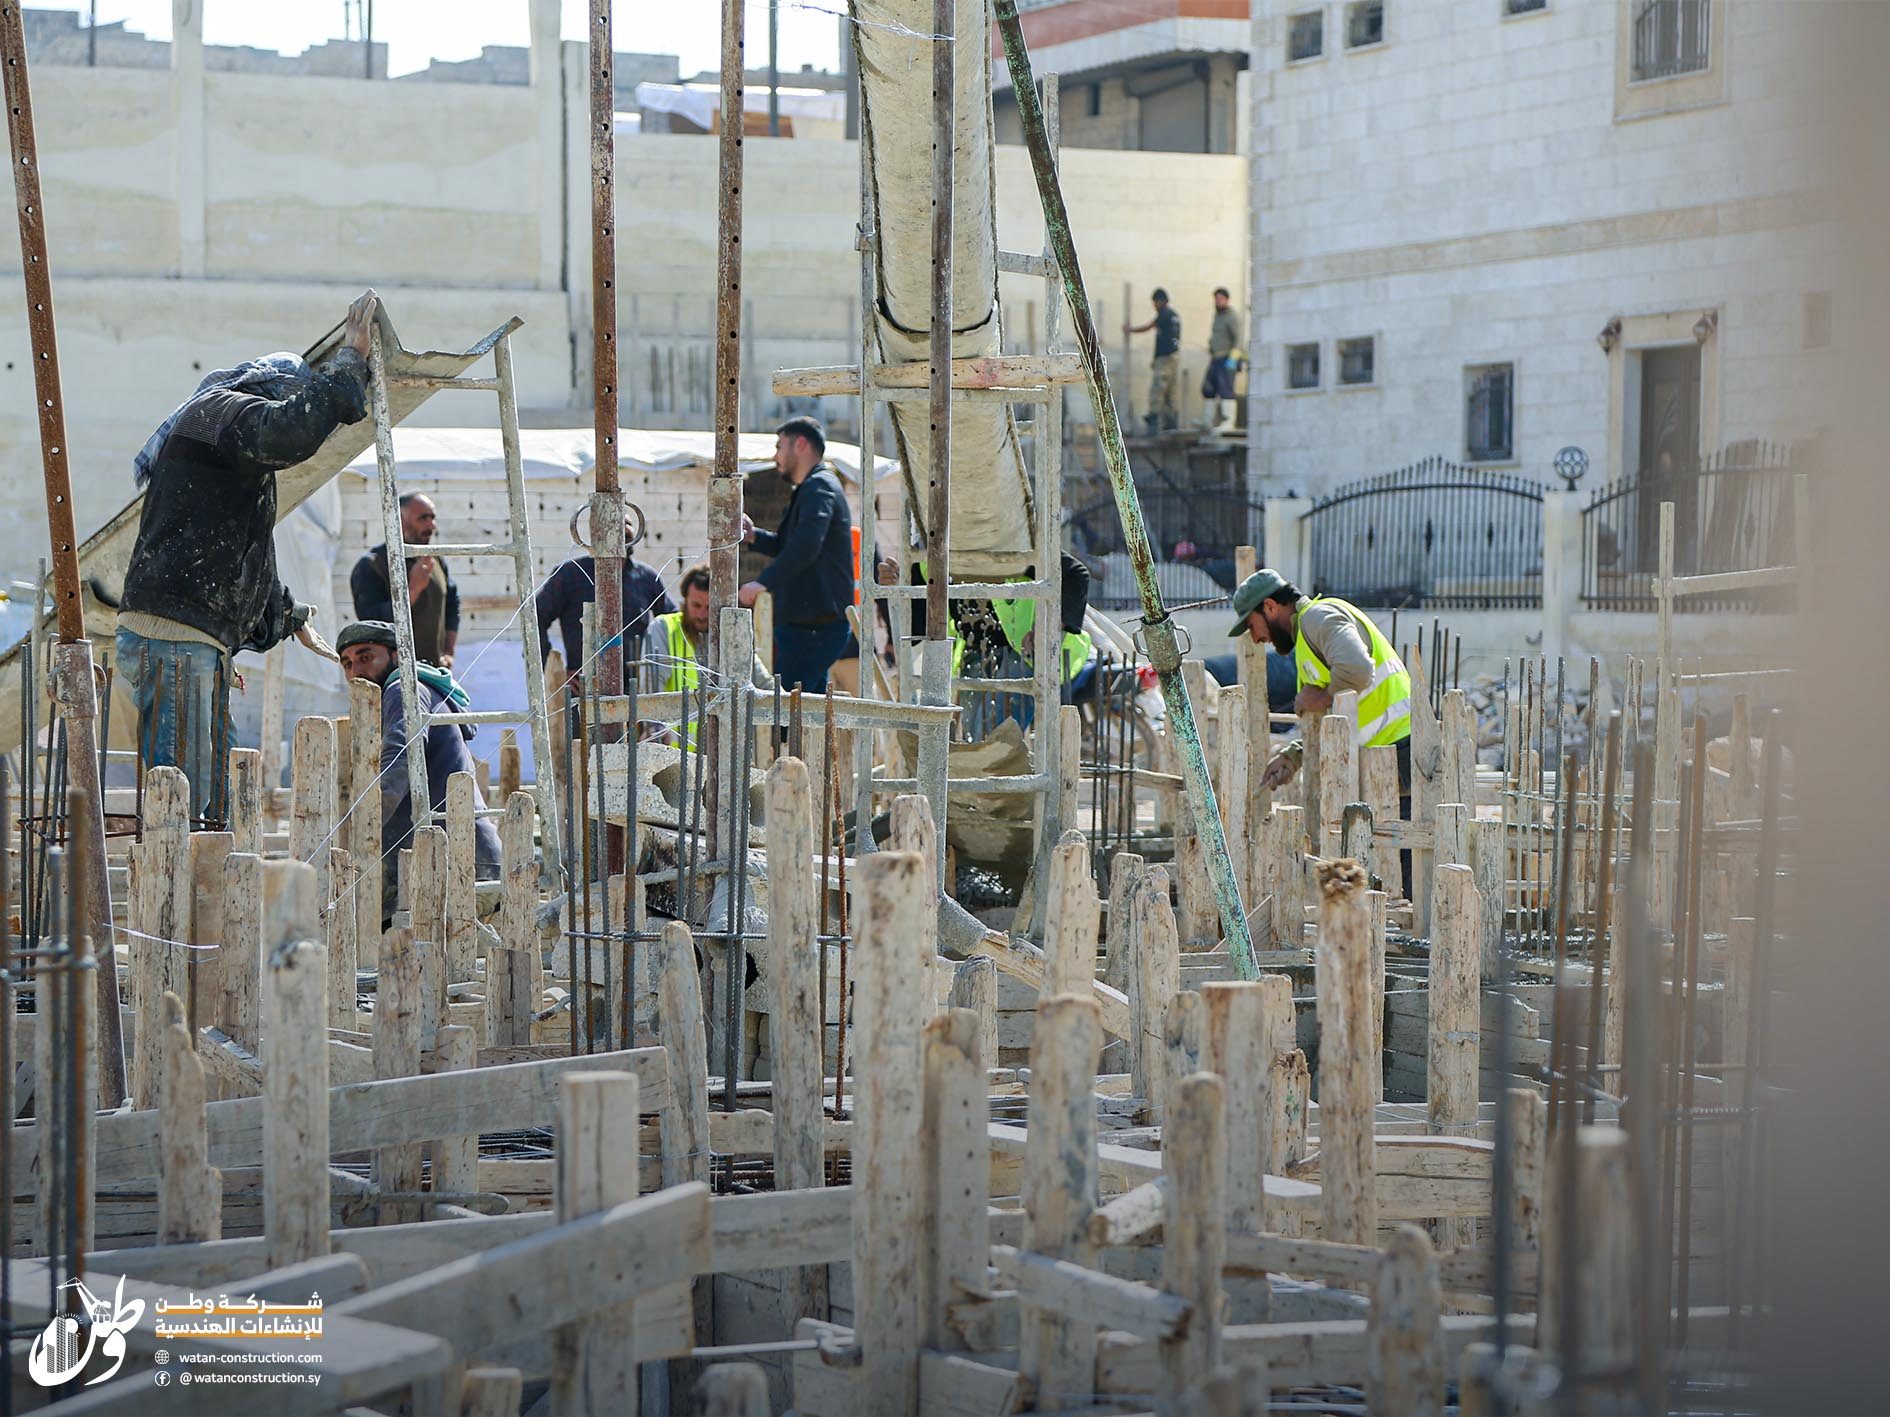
x=428, y=585
x=811, y=579
x=573, y=585
x=202, y=579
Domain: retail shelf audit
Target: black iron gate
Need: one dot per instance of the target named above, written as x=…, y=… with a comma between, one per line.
x=1432, y=535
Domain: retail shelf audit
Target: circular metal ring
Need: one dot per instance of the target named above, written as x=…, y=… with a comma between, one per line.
x=629, y=541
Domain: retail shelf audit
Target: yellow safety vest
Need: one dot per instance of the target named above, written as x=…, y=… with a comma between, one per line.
x=1384, y=708
x=683, y=660
x=1017, y=618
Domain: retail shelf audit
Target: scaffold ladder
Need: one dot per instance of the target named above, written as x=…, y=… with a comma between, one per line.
x=519, y=548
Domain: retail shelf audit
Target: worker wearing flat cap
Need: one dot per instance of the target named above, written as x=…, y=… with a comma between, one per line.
x=1335, y=647
x=369, y=650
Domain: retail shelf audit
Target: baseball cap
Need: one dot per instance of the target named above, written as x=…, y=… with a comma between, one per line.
x=1252, y=591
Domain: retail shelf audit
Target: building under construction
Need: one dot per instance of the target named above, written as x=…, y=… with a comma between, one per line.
x=988, y=1037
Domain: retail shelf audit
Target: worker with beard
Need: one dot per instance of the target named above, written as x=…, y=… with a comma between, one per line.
x=1335, y=648
x=811, y=578
x=368, y=650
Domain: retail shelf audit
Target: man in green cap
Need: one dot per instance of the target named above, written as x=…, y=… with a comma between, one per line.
x=1335, y=647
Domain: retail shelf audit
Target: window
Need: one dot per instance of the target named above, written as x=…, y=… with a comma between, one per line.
x=1355, y=360
x=1364, y=23
x=1302, y=366
x=1818, y=319
x=1095, y=100
x=1305, y=35
x=1670, y=37
x=1524, y=7
x=1489, y=413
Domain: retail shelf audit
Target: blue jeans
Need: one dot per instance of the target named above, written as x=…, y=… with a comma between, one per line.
x=804, y=653
x=182, y=690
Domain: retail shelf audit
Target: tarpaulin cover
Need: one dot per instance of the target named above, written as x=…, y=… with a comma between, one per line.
x=991, y=525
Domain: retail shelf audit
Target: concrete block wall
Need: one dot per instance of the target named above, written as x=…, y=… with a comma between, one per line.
x=199, y=218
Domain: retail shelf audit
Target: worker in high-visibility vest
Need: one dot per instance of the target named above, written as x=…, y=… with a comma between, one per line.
x=1017, y=620
x=1335, y=648
x=675, y=644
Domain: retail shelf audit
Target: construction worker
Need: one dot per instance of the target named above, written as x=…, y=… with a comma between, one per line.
x=368, y=650
x=431, y=591
x=573, y=585
x=1335, y=648
x=812, y=578
x=201, y=583
x=1165, y=369
x=674, y=645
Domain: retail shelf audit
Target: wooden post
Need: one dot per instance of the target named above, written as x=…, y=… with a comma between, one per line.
x=1457, y=772
x=462, y=871
x=1070, y=766
x=343, y=946
x=1057, y=1354
x=1153, y=985
x=1407, y=1361
x=1378, y=788
x=1476, y=1371
x=208, y=853
x=455, y=1159
x=685, y=1122
x=1070, y=921
x=1666, y=859
x=511, y=765
x=1253, y=678
x=594, y=1361
x=1347, y=1172
x=1235, y=1392
x=912, y=830
x=1604, y=1260
x=1528, y=1130
x=1239, y=1051
x=190, y=1189
x=1284, y=860
x=1490, y=867
x=974, y=988
x=397, y=1028
x=1236, y=768
x=491, y=1392
x=958, y=1143
x=1182, y=1036
x=1455, y=1024
x=273, y=686
x=246, y=811
x=1126, y=870
x=364, y=814
x=159, y=964
x=894, y=930
x=1291, y=1086
x=1426, y=779
x=1379, y=904
x=794, y=962
x=1195, y=914
x=1194, y=1236
x=1450, y=836
x=1338, y=777
x=295, y=1066
x=513, y=968
x=312, y=798
x=242, y=948
x=427, y=906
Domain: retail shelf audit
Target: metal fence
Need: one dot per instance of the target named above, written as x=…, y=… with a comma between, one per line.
x=1433, y=535
x=1671, y=37
x=1732, y=512
x=1193, y=532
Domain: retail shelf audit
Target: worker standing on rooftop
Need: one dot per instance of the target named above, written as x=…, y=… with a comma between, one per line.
x=202, y=582
x=1335, y=648
x=1165, y=369
x=811, y=579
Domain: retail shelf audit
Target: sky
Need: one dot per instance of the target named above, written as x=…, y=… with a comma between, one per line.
x=418, y=30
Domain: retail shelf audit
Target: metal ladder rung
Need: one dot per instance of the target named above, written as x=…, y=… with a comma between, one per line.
x=483, y=716
x=976, y=590
x=442, y=381
x=458, y=548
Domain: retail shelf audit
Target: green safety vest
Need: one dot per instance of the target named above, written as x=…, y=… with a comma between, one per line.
x=683, y=660
x=1384, y=708
x=1017, y=618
